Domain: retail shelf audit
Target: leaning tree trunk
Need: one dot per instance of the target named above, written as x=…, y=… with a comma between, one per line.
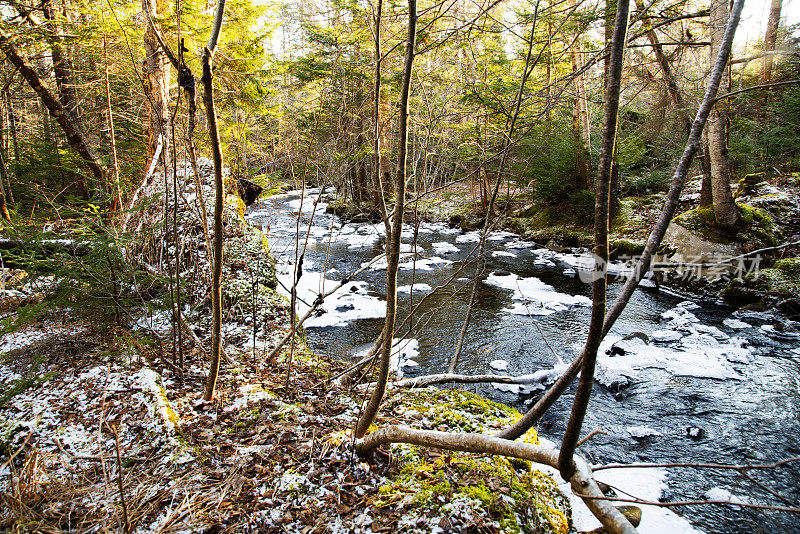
x=581, y=477
x=566, y=464
x=75, y=137
x=62, y=66
x=770, y=37
x=393, y=238
x=216, y=274
x=725, y=212
x=641, y=268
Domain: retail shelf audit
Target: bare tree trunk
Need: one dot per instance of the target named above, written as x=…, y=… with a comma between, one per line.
x=216, y=275
x=770, y=37
x=3, y=208
x=533, y=415
x=156, y=72
x=725, y=212
x=580, y=129
x=393, y=238
x=116, y=193
x=706, y=198
x=3, y=191
x=12, y=121
x=74, y=135
x=611, y=14
x=377, y=172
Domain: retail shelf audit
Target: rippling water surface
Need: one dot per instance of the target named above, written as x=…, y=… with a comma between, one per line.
x=720, y=388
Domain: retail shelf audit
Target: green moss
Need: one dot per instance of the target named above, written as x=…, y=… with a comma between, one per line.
x=475, y=490
x=468, y=489
x=453, y=410
x=789, y=267
x=781, y=280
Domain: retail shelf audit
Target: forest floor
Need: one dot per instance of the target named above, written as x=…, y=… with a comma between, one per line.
x=100, y=436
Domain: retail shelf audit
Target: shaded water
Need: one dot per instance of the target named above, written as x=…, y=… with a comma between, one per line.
x=748, y=413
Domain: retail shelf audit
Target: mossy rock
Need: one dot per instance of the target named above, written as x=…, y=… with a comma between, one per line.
x=624, y=248
x=563, y=235
x=748, y=183
x=458, y=492
x=755, y=226
x=453, y=411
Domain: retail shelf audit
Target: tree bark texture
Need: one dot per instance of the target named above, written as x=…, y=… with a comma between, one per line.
x=566, y=465
x=216, y=151
x=725, y=212
x=770, y=38
x=157, y=79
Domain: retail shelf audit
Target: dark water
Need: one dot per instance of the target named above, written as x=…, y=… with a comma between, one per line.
x=750, y=419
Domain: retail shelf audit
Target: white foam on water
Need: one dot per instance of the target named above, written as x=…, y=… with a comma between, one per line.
x=535, y=297
x=736, y=324
x=348, y=303
x=444, y=247
x=498, y=365
x=469, y=237
x=642, y=431
x=424, y=264
x=503, y=254
x=695, y=354
x=418, y=288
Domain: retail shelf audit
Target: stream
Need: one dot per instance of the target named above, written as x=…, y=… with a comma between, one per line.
x=704, y=383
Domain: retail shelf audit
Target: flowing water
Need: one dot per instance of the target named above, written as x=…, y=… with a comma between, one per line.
x=706, y=385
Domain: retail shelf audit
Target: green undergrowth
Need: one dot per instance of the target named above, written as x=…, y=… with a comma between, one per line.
x=628, y=232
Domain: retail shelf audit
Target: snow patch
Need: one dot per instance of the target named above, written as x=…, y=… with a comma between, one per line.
x=535, y=297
